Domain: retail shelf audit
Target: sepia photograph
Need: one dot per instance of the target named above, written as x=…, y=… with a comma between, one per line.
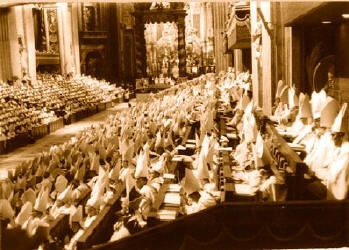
x=174, y=125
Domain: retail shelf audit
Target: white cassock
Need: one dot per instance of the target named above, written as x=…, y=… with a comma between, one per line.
x=206, y=200
x=296, y=127
x=148, y=193
x=119, y=234
x=322, y=156
x=306, y=130
x=338, y=178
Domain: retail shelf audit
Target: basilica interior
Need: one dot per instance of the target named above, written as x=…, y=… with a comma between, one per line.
x=174, y=125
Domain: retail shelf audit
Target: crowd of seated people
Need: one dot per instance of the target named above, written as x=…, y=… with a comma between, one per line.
x=132, y=150
x=138, y=154
x=317, y=124
x=25, y=104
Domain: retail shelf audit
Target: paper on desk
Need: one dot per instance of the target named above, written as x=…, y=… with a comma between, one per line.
x=174, y=188
x=169, y=176
x=177, y=158
x=192, y=141
x=172, y=198
x=225, y=149
x=244, y=189
x=190, y=146
x=296, y=146
x=180, y=147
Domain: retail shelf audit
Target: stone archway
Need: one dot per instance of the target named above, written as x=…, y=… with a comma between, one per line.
x=143, y=15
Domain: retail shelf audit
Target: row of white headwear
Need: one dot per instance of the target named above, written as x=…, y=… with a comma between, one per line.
x=319, y=106
x=40, y=198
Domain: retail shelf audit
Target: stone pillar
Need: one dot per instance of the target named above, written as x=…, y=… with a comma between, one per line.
x=65, y=38
x=5, y=61
x=13, y=39
x=238, y=60
x=267, y=51
x=61, y=40
x=75, y=37
x=141, y=62
x=222, y=61
x=22, y=41
x=210, y=39
x=28, y=26
x=202, y=21
x=67, y=32
x=209, y=20
x=255, y=64
x=181, y=47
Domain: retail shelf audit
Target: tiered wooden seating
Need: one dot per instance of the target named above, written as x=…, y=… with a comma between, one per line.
x=289, y=162
x=55, y=125
x=165, y=208
x=248, y=225
x=100, y=229
x=40, y=131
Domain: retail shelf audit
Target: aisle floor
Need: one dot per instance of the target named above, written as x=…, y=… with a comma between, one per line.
x=28, y=152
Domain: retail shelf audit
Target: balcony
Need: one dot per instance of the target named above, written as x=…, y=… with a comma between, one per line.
x=238, y=35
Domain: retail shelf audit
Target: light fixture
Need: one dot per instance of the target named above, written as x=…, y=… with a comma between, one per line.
x=345, y=16
x=326, y=22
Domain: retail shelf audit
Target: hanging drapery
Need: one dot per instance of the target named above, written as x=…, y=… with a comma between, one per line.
x=239, y=28
x=5, y=61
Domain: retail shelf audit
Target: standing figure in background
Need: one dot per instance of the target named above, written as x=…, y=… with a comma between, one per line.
x=330, y=87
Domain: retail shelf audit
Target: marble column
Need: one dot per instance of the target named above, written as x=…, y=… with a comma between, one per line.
x=267, y=55
x=75, y=37
x=61, y=40
x=222, y=61
x=65, y=38
x=67, y=31
x=181, y=47
x=13, y=39
x=203, y=21
x=5, y=62
x=28, y=26
x=255, y=63
x=22, y=41
x=238, y=60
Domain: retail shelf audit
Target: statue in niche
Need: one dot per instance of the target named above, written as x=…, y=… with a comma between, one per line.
x=89, y=18
x=23, y=56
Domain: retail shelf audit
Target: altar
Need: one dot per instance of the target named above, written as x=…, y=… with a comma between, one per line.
x=148, y=13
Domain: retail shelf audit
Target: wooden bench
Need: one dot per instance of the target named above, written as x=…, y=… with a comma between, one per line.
x=289, y=162
x=55, y=125
x=40, y=131
x=100, y=107
x=101, y=228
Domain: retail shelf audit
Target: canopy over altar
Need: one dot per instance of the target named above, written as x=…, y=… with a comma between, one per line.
x=150, y=13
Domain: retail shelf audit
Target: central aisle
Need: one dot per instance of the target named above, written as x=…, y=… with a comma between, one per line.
x=28, y=152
